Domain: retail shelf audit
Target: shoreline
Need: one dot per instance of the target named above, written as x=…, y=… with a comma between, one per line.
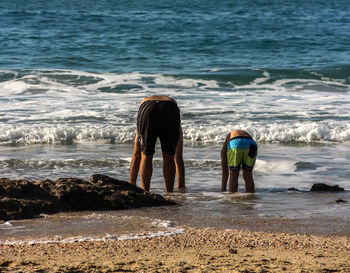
x=196, y=250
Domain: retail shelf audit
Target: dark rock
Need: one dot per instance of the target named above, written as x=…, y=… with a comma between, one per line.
x=24, y=199
x=302, y=166
x=293, y=189
x=325, y=187
x=233, y=251
x=340, y=201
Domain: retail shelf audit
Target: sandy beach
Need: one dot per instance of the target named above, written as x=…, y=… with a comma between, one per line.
x=196, y=250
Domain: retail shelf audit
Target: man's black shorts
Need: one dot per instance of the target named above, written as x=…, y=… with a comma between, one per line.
x=158, y=119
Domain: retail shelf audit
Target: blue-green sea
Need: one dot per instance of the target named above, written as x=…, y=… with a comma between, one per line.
x=72, y=75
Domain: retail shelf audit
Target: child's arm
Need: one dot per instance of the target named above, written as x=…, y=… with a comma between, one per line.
x=224, y=164
x=179, y=164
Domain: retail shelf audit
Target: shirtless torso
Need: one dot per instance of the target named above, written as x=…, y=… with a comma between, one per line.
x=158, y=97
x=236, y=133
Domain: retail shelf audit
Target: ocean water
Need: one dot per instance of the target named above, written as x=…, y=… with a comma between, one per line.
x=72, y=75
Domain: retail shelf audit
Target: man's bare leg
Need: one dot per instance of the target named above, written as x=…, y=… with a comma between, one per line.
x=146, y=170
x=180, y=170
x=233, y=181
x=169, y=172
x=249, y=181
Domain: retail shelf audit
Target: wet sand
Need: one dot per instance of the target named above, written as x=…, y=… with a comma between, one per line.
x=196, y=250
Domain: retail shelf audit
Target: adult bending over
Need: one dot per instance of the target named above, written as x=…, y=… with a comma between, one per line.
x=158, y=117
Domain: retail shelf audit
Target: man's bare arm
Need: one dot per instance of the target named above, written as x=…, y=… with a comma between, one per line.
x=135, y=162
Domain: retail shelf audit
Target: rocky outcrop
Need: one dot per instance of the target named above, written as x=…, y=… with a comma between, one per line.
x=338, y=201
x=325, y=187
x=293, y=189
x=21, y=199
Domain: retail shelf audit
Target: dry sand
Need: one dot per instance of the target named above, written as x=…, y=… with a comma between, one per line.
x=197, y=250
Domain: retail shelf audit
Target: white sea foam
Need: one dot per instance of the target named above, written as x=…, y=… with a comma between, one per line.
x=274, y=132
x=6, y=225
x=42, y=164
x=167, y=81
x=53, y=106
x=277, y=167
x=171, y=231
x=303, y=132
x=163, y=223
x=9, y=226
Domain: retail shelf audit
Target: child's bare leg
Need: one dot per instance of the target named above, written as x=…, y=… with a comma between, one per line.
x=249, y=181
x=233, y=181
